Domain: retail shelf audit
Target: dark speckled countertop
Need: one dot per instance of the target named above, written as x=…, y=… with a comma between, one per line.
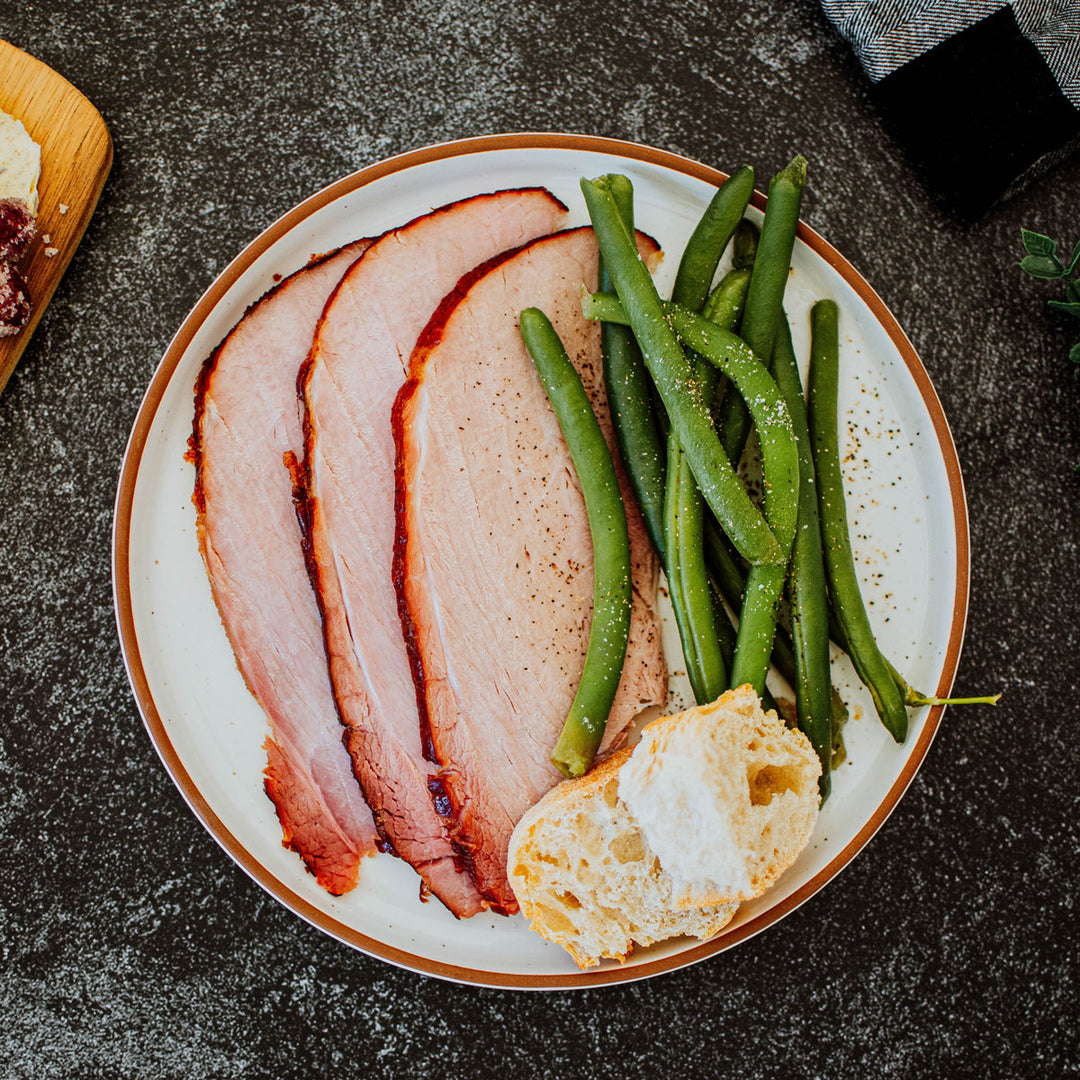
x=130, y=945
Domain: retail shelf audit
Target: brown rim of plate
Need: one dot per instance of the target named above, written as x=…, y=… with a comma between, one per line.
x=125, y=619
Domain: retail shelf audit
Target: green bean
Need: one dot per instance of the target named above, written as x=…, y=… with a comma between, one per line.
x=757, y=625
x=780, y=466
x=684, y=508
x=772, y=266
x=807, y=591
x=772, y=262
x=630, y=399
x=709, y=238
x=840, y=563
x=729, y=579
x=726, y=302
x=612, y=589
x=725, y=631
x=687, y=410
x=726, y=636
x=744, y=245
x=724, y=566
x=729, y=353
x=688, y=586
x=725, y=307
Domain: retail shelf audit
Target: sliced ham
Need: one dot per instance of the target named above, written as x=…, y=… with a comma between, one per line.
x=356, y=367
x=246, y=429
x=494, y=555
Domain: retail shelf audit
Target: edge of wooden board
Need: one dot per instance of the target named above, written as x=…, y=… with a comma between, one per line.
x=76, y=156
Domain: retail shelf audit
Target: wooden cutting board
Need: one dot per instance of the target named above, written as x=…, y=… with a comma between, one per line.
x=76, y=154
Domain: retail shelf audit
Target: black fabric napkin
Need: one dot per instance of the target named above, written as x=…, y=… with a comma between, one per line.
x=984, y=95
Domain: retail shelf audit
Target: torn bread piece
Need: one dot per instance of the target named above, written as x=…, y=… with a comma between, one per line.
x=586, y=879
x=709, y=808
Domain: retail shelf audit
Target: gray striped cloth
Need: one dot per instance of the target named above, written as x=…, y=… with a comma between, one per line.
x=984, y=95
x=886, y=34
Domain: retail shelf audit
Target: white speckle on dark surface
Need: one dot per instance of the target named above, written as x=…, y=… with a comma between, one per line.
x=130, y=946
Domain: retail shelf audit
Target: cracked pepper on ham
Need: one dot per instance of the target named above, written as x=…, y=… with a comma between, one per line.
x=246, y=426
x=494, y=556
x=356, y=367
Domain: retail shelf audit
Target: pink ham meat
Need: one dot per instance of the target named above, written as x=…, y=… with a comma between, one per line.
x=246, y=426
x=356, y=367
x=494, y=556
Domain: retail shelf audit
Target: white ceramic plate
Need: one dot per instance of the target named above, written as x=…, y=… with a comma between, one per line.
x=905, y=498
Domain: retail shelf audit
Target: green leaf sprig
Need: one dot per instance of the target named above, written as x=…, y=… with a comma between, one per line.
x=1041, y=261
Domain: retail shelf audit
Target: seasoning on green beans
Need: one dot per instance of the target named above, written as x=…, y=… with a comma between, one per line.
x=687, y=410
x=772, y=265
x=780, y=468
x=729, y=353
x=612, y=589
x=629, y=395
x=684, y=507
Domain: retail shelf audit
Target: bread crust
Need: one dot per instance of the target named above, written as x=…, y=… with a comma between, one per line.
x=599, y=873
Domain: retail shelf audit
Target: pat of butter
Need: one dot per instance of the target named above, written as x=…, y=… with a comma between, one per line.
x=20, y=163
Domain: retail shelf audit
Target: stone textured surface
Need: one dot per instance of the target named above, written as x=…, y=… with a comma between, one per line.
x=129, y=944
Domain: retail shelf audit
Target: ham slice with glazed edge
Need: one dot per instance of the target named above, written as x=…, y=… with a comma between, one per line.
x=355, y=369
x=494, y=555
x=246, y=425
